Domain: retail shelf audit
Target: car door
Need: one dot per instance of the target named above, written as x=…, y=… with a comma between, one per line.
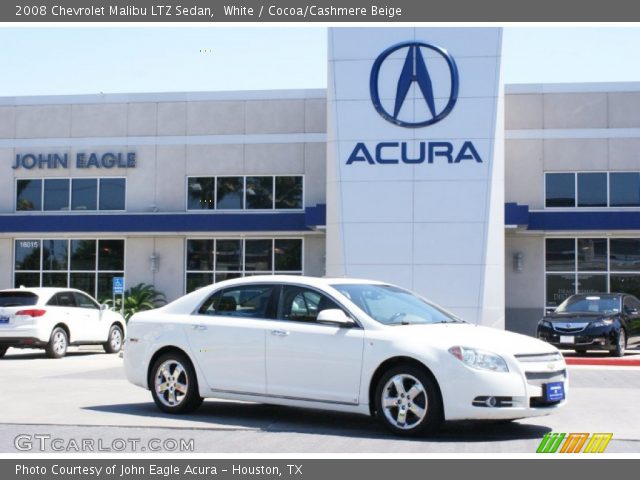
x=632, y=314
x=89, y=313
x=62, y=306
x=227, y=337
x=310, y=360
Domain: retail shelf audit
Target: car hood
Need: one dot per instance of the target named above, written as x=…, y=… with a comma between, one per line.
x=447, y=335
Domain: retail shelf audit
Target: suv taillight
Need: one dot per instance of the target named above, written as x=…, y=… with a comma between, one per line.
x=32, y=312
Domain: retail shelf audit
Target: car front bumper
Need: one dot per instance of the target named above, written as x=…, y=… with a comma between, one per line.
x=600, y=338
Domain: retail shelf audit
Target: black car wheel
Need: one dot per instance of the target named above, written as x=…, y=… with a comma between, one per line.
x=174, y=385
x=621, y=344
x=407, y=401
x=3, y=350
x=581, y=351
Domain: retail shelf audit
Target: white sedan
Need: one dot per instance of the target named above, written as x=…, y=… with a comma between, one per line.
x=54, y=318
x=339, y=344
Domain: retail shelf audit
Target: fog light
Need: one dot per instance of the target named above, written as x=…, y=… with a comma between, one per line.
x=491, y=402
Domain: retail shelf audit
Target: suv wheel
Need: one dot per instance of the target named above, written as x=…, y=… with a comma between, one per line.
x=407, y=401
x=58, y=343
x=174, y=385
x=3, y=350
x=114, y=342
x=621, y=344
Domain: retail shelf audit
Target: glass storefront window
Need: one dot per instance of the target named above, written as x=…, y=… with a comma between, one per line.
x=625, y=254
x=624, y=189
x=559, y=288
x=28, y=195
x=560, y=190
x=560, y=254
x=592, y=254
x=592, y=189
x=69, y=263
x=230, y=193
x=592, y=283
x=56, y=194
x=625, y=284
x=234, y=257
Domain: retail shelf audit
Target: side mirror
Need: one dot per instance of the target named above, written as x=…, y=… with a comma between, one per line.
x=335, y=316
x=104, y=306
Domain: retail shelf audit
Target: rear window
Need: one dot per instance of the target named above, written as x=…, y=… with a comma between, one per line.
x=17, y=299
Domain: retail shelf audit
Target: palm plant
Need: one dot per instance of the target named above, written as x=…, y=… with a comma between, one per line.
x=139, y=298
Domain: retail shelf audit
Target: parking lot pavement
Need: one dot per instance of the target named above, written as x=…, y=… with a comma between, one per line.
x=86, y=396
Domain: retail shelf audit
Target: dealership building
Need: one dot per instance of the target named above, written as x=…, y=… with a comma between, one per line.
x=416, y=166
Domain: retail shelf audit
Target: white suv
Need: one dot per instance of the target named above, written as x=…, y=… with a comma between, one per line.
x=54, y=318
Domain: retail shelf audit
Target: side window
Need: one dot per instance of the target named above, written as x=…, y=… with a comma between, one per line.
x=247, y=301
x=63, y=299
x=631, y=304
x=302, y=304
x=83, y=301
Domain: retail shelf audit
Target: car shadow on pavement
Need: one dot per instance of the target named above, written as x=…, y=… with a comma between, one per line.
x=223, y=415
x=43, y=356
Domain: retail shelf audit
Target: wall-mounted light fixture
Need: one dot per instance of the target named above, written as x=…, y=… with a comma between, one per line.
x=518, y=261
x=154, y=262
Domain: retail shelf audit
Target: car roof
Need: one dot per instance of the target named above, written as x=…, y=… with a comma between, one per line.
x=317, y=281
x=43, y=291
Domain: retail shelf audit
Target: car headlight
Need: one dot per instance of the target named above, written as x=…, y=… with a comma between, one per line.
x=603, y=322
x=479, y=359
x=545, y=323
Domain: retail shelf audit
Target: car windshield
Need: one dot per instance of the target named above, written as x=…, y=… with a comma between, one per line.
x=594, y=304
x=394, y=306
x=17, y=299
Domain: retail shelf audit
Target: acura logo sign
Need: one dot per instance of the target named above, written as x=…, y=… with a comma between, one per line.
x=414, y=70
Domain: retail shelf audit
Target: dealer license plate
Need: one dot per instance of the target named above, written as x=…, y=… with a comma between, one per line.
x=4, y=320
x=567, y=339
x=554, y=392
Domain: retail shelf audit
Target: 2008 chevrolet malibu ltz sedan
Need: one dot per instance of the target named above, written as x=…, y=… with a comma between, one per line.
x=339, y=344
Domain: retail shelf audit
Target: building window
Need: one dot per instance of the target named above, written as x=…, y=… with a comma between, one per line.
x=77, y=194
x=590, y=265
x=86, y=264
x=215, y=260
x=592, y=189
x=264, y=192
x=625, y=189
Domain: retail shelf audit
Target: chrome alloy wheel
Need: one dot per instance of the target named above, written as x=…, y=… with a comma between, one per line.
x=115, y=339
x=59, y=342
x=622, y=342
x=171, y=383
x=404, y=401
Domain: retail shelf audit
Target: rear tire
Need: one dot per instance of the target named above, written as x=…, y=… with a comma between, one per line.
x=621, y=344
x=3, y=350
x=407, y=401
x=58, y=343
x=581, y=351
x=114, y=342
x=174, y=385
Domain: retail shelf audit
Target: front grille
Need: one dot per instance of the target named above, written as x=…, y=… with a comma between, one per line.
x=539, y=357
x=540, y=402
x=569, y=327
x=559, y=374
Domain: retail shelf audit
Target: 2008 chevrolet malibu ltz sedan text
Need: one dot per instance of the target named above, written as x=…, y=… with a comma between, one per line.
x=339, y=344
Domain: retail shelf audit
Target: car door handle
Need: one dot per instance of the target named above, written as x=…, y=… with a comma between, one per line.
x=199, y=327
x=279, y=333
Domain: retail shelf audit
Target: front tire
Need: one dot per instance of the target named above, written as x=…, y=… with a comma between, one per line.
x=58, y=343
x=407, y=401
x=581, y=351
x=621, y=344
x=3, y=350
x=114, y=342
x=174, y=385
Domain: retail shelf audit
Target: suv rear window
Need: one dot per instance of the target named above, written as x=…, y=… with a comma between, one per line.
x=17, y=299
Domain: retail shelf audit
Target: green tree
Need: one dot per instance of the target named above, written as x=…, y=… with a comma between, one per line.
x=137, y=299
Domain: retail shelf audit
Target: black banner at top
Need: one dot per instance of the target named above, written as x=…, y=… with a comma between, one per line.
x=319, y=11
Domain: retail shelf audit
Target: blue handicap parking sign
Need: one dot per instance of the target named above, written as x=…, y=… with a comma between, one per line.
x=118, y=285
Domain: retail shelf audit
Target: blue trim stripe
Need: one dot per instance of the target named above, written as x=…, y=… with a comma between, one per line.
x=178, y=222
x=571, y=220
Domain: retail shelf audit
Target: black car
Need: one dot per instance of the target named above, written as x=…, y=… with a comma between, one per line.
x=595, y=321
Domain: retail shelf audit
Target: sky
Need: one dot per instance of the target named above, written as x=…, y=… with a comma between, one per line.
x=70, y=60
